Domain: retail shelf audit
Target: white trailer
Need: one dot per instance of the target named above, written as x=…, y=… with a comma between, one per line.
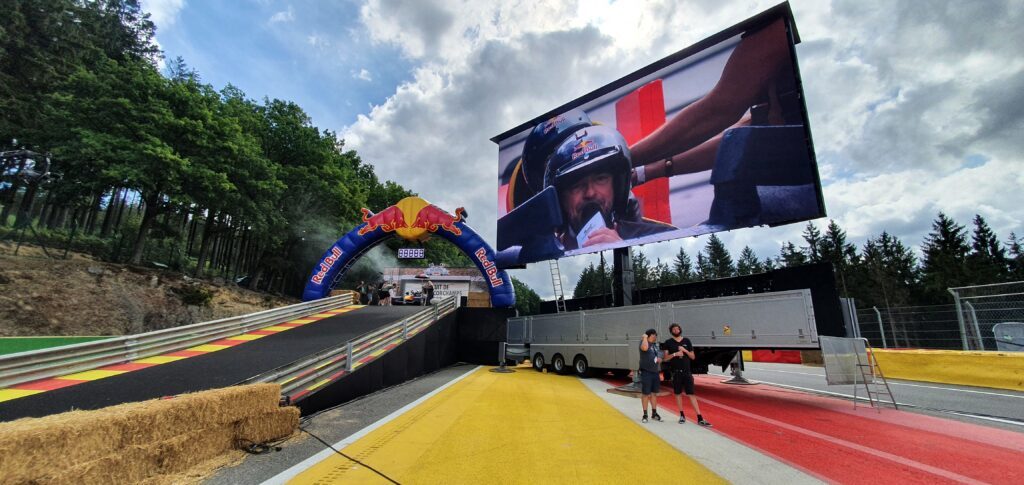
x=608, y=339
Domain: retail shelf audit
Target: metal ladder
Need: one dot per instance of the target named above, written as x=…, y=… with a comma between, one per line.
x=556, y=283
x=873, y=379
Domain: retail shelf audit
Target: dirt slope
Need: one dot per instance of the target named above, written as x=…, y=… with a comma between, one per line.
x=81, y=296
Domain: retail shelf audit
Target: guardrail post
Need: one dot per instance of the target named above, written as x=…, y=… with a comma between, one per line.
x=348, y=358
x=881, y=329
x=405, y=329
x=435, y=313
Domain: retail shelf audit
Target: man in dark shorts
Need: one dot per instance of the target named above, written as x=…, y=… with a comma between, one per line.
x=650, y=373
x=678, y=353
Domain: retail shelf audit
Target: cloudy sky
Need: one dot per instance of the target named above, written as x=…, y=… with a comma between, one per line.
x=915, y=107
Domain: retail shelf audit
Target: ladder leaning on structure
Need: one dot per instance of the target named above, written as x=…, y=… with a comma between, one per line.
x=556, y=283
x=874, y=381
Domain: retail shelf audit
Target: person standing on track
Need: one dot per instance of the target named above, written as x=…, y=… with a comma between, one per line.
x=650, y=373
x=679, y=353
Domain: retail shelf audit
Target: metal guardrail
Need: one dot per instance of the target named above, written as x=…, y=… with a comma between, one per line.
x=345, y=358
x=45, y=363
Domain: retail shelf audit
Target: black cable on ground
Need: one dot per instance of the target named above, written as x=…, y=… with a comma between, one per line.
x=374, y=470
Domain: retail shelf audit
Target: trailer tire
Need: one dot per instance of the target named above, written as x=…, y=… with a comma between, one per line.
x=538, y=362
x=582, y=367
x=558, y=364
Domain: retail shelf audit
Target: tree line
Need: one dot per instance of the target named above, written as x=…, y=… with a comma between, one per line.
x=160, y=167
x=885, y=272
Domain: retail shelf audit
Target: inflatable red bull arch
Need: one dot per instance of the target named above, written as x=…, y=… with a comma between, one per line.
x=412, y=219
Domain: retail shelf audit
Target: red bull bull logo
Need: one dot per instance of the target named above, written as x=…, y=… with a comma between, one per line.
x=432, y=218
x=489, y=269
x=326, y=265
x=387, y=220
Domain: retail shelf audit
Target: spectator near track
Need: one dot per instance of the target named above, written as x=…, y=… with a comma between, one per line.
x=392, y=293
x=428, y=290
x=678, y=353
x=650, y=373
x=364, y=292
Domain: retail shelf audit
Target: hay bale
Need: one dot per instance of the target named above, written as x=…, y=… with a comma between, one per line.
x=134, y=441
x=274, y=425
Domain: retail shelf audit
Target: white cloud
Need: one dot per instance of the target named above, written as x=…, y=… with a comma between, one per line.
x=899, y=96
x=363, y=74
x=163, y=13
x=283, y=16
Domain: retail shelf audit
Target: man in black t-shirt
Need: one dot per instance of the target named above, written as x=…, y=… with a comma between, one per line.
x=678, y=354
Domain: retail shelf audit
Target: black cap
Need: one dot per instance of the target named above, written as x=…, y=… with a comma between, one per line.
x=651, y=331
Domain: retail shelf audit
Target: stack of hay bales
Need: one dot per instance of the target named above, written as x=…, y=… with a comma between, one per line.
x=135, y=442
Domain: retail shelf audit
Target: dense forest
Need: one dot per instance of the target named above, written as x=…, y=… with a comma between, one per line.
x=884, y=273
x=151, y=166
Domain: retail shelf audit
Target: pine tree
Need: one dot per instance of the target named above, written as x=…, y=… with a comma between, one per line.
x=683, y=267
x=663, y=275
x=892, y=270
x=585, y=285
x=813, y=238
x=945, y=260
x=791, y=256
x=843, y=256
x=642, y=274
x=1015, y=261
x=704, y=269
x=748, y=263
x=987, y=262
x=719, y=259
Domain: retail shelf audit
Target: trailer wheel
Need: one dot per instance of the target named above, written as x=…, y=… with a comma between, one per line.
x=558, y=364
x=581, y=366
x=538, y=362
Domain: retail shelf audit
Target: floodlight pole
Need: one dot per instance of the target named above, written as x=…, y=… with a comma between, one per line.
x=622, y=277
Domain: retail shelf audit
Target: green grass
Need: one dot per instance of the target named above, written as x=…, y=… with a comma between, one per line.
x=10, y=345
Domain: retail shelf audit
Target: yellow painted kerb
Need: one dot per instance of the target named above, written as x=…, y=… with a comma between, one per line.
x=525, y=427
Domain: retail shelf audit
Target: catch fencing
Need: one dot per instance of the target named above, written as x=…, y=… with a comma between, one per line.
x=965, y=324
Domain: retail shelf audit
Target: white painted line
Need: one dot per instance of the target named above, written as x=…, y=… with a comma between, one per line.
x=729, y=459
x=863, y=398
x=851, y=445
x=893, y=383
x=295, y=470
x=958, y=390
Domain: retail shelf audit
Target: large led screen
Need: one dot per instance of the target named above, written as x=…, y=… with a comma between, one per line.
x=710, y=139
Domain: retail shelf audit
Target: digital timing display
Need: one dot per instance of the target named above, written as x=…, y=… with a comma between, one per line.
x=411, y=253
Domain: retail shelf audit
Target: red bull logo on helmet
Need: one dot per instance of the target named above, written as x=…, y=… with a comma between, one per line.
x=433, y=218
x=552, y=123
x=489, y=268
x=582, y=148
x=326, y=265
x=388, y=220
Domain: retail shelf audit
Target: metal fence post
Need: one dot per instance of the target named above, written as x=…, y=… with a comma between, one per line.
x=960, y=318
x=405, y=329
x=881, y=329
x=974, y=323
x=348, y=358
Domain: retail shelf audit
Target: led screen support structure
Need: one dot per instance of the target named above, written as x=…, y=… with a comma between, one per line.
x=712, y=138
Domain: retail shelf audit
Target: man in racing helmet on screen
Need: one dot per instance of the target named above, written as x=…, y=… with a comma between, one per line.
x=591, y=171
x=541, y=143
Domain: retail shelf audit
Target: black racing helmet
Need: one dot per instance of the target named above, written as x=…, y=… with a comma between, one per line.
x=590, y=150
x=544, y=139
